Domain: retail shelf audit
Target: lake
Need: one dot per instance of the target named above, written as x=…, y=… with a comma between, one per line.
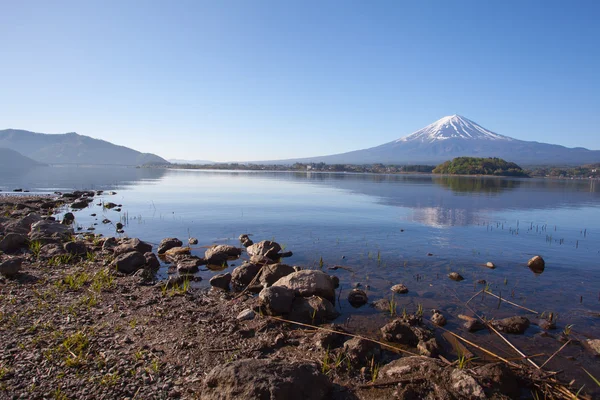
x=386, y=229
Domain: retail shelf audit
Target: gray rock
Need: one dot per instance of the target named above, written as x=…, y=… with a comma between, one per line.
x=245, y=315
x=81, y=203
x=271, y=273
x=245, y=240
x=357, y=298
x=152, y=262
x=221, y=281
x=51, y=250
x=400, y=332
x=516, y=325
x=129, y=262
x=192, y=241
x=490, y=265
x=44, y=229
x=360, y=351
x=22, y=225
x=68, y=218
x=309, y=283
x=167, y=244
x=129, y=245
x=219, y=254
x=77, y=248
x=399, y=288
x=12, y=242
x=252, y=379
x=312, y=309
x=189, y=265
x=455, y=276
x=110, y=244
x=244, y=274
x=497, y=378
x=276, y=300
x=11, y=267
x=465, y=385
x=473, y=325
x=438, y=319
x=331, y=340
x=594, y=345
x=265, y=248
x=429, y=348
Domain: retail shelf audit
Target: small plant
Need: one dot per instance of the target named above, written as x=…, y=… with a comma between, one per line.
x=325, y=365
x=374, y=370
x=313, y=315
x=138, y=355
x=419, y=312
x=321, y=262
x=393, y=306
x=59, y=395
x=90, y=256
x=404, y=314
x=567, y=329
x=102, y=281
x=75, y=347
x=462, y=362
x=74, y=281
x=35, y=246
x=110, y=379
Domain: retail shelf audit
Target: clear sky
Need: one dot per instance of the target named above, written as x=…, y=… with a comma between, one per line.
x=255, y=80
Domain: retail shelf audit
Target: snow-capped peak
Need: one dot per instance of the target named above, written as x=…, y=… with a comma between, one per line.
x=452, y=127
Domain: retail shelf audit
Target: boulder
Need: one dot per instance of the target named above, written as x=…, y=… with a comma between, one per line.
x=536, y=264
x=189, y=265
x=12, y=242
x=361, y=351
x=68, y=218
x=438, y=319
x=428, y=374
x=176, y=253
x=357, y=298
x=152, y=262
x=76, y=248
x=276, y=300
x=129, y=262
x=129, y=245
x=465, y=385
x=429, y=348
x=265, y=248
x=11, y=267
x=110, y=244
x=221, y=281
x=309, y=283
x=244, y=274
x=251, y=379
x=455, y=276
x=400, y=332
x=245, y=240
x=399, y=288
x=167, y=244
x=81, y=203
x=192, y=241
x=331, y=340
x=271, y=273
x=314, y=310
x=44, y=229
x=516, y=325
x=221, y=253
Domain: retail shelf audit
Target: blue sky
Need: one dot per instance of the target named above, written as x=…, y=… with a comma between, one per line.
x=256, y=80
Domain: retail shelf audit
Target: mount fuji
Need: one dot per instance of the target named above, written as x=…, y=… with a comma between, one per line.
x=457, y=136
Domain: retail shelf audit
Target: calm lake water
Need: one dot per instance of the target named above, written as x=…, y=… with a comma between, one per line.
x=411, y=229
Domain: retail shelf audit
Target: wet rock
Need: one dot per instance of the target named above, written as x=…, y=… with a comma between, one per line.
x=221, y=253
x=331, y=340
x=109, y=205
x=547, y=324
x=276, y=300
x=429, y=348
x=399, y=288
x=309, y=283
x=594, y=345
x=381, y=305
x=361, y=351
x=12, y=242
x=152, y=262
x=189, y=265
x=129, y=245
x=251, y=379
x=245, y=315
x=357, y=298
x=481, y=282
x=77, y=248
x=265, y=248
x=51, y=250
x=167, y=244
x=119, y=226
x=192, y=241
x=244, y=274
x=81, y=203
x=129, y=262
x=438, y=319
x=110, y=244
x=221, y=281
x=271, y=273
x=335, y=280
x=106, y=221
x=497, y=378
x=455, y=276
x=312, y=309
x=285, y=254
x=465, y=385
x=176, y=253
x=473, y=325
x=245, y=240
x=68, y=218
x=11, y=267
x=490, y=265
x=516, y=325
x=400, y=332
x=536, y=264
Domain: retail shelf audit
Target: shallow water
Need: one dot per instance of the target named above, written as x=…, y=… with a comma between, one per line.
x=411, y=229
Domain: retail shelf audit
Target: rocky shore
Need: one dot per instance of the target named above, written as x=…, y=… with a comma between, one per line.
x=86, y=317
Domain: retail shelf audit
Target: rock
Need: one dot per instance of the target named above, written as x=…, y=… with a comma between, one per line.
x=312, y=309
x=68, y=218
x=309, y=283
x=220, y=254
x=106, y=221
x=271, y=273
x=331, y=340
x=465, y=385
x=45, y=229
x=119, y=226
x=51, y=250
x=335, y=280
x=490, y=265
x=129, y=245
x=429, y=348
x=129, y=262
x=399, y=288
x=12, y=242
x=152, y=262
x=546, y=324
x=497, y=378
x=109, y=205
x=438, y=319
x=11, y=267
x=252, y=379
x=221, y=281
x=357, y=298
x=22, y=225
x=245, y=240
x=276, y=300
x=244, y=274
x=381, y=305
x=167, y=244
x=189, y=265
x=360, y=351
x=415, y=366
x=77, y=248
x=473, y=325
x=516, y=325
x=265, y=248
x=245, y=315
x=594, y=345
x=176, y=253
x=536, y=264
x=110, y=244
x=455, y=276
x=81, y=203
x=400, y=332
x=192, y=241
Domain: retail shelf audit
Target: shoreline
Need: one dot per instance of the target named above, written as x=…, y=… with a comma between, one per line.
x=76, y=327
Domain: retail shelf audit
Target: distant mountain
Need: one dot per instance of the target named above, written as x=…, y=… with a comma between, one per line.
x=192, y=162
x=71, y=148
x=11, y=160
x=456, y=136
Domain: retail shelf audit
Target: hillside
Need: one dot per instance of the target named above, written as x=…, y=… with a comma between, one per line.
x=479, y=166
x=72, y=148
x=11, y=160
